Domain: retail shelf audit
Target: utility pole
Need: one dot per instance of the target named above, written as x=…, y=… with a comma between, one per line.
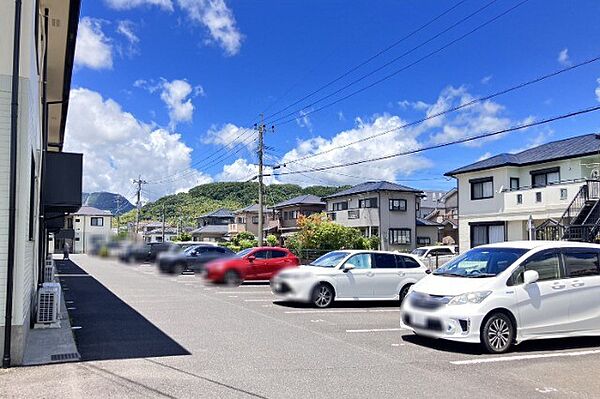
x=261, y=133
x=118, y=215
x=139, y=183
x=163, y=222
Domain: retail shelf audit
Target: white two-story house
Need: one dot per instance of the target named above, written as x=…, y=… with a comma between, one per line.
x=514, y=196
x=383, y=209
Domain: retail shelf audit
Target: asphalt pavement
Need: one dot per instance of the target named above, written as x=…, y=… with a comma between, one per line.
x=142, y=334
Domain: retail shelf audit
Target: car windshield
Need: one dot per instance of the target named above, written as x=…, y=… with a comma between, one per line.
x=481, y=262
x=330, y=259
x=419, y=252
x=244, y=252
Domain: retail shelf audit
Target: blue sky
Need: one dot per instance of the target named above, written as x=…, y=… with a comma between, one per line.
x=161, y=84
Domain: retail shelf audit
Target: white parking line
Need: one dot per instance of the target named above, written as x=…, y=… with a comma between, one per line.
x=376, y=330
x=525, y=357
x=259, y=300
x=242, y=292
x=341, y=311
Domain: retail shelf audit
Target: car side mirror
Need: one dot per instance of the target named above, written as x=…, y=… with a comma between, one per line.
x=530, y=277
x=251, y=258
x=427, y=271
x=347, y=267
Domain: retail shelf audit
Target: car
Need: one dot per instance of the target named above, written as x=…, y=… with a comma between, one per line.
x=193, y=258
x=435, y=256
x=502, y=294
x=145, y=252
x=350, y=275
x=260, y=263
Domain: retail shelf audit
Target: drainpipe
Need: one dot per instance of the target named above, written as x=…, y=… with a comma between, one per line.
x=14, y=115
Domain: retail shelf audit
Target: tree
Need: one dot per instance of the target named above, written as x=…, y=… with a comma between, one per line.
x=272, y=240
x=183, y=236
x=241, y=241
x=319, y=233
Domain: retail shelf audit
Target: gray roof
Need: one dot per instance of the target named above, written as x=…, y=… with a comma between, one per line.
x=372, y=186
x=425, y=222
x=588, y=144
x=211, y=229
x=252, y=209
x=219, y=213
x=431, y=198
x=168, y=230
x=91, y=211
x=307, y=199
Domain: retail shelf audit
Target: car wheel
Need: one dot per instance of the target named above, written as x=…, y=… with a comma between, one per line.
x=322, y=296
x=404, y=292
x=498, y=333
x=178, y=269
x=232, y=278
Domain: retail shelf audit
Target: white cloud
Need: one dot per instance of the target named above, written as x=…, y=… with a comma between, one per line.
x=118, y=147
x=126, y=28
x=176, y=96
x=242, y=170
x=598, y=90
x=486, y=79
x=398, y=141
x=93, y=48
x=218, y=19
x=534, y=141
x=479, y=118
x=563, y=57
x=304, y=121
x=341, y=116
x=230, y=135
x=129, y=4
x=484, y=156
x=416, y=105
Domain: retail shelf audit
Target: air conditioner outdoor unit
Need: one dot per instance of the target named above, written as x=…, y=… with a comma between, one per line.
x=49, y=271
x=48, y=306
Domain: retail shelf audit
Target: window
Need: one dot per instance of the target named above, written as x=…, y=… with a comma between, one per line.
x=384, y=261
x=278, y=254
x=482, y=188
x=264, y=254
x=398, y=205
x=519, y=199
x=514, y=183
x=374, y=231
x=423, y=241
x=563, y=193
x=541, y=178
x=97, y=221
x=353, y=214
x=441, y=252
x=76, y=238
x=254, y=219
x=406, y=262
x=538, y=197
x=31, y=197
x=486, y=234
x=331, y=216
x=77, y=220
x=367, y=203
x=581, y=264
x=241, y=220
x=400, y=236
x=546, y=263
x=339, y=206
x=360, y=261
x=481, y=262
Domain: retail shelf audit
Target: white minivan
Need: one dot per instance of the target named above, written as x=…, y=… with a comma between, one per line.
x=509, y=292
x=350, y=275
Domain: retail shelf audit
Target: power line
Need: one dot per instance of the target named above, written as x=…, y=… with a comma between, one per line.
x=368, y=60
x=452, y=109
x=440, y=49
x=465, y=140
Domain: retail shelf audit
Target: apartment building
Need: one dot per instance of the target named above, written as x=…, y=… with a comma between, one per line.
x=288, y=212
x=39, y=183
x=553, y=187
x=383, y=209
x=246, y=220
x=90, y=226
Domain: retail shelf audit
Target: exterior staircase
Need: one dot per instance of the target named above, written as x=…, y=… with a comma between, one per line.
x=581, y=219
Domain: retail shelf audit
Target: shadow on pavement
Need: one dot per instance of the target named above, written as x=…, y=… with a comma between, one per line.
x=525, y=347
x=110, y=329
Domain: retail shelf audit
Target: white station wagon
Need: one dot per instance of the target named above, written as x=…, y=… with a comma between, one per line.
x=350, y=275
x=510, y=292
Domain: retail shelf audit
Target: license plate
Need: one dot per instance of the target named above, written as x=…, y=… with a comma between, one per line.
x=419, y=320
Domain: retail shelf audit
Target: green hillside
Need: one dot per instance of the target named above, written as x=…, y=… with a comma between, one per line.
x=209, y=197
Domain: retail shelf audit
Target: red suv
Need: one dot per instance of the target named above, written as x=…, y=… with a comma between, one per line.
x=260, y=263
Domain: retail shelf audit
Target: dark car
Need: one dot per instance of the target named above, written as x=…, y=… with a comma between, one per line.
x=145, y=252
x=192, y=258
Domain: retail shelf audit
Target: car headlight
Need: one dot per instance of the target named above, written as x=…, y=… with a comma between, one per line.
x=469, y=297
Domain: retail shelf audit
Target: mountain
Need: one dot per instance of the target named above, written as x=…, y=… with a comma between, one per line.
x=115, y=203
x=186, y=207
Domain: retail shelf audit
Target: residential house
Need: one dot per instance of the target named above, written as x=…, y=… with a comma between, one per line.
x=90, y=225
x=246, y=219
x=446, y=214
x=550, y=191
x=288, y=212
x=34, y=98
x=156, y=234
x=430, y=201
x=428, y=232
x=380, y=208
x=213, y=226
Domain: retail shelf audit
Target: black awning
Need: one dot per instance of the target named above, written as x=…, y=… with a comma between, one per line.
x=62, y=182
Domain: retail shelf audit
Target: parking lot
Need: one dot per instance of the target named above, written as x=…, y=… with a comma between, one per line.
x=142, y=334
